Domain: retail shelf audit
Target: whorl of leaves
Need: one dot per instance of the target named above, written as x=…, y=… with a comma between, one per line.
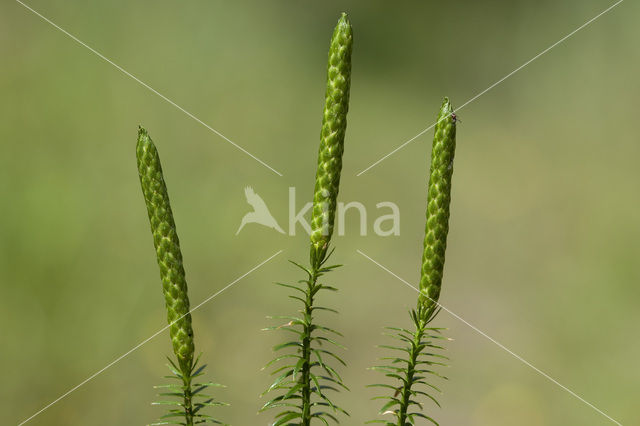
x=414, y=369
x=191, y=397
x=302, y=367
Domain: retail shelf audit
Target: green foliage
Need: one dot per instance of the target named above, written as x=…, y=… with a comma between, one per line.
x=413, y=367
x=190, y=395
x=174, y=285
x=419, y=345
x=307, y=375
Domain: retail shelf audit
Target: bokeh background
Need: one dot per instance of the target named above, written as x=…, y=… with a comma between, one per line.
x=545, y=231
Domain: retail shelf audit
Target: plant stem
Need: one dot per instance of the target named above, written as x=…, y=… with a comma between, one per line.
x=414, y=353
x=306, y=348
x=188, y=406
x=304, y=383
x=169, y=258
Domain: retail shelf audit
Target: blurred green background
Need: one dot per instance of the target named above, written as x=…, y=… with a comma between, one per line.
x=545, y=230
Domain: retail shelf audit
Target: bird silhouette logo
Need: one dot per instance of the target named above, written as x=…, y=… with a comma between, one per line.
x=260, y=213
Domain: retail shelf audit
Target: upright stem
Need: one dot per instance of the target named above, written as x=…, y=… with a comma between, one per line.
x=327, y=185
x=414, y=353
x=169, y=257
x=188, y=406
x=306, y=349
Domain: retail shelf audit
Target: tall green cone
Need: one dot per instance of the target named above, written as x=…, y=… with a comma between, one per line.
x=422, y=345
x=304, y=382
x=165, y=240
x=438, y=199
x=334, y=125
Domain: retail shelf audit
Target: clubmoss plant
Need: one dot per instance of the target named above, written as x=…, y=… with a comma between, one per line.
x=165, y=239
x=306, y=376
x=420, y=344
